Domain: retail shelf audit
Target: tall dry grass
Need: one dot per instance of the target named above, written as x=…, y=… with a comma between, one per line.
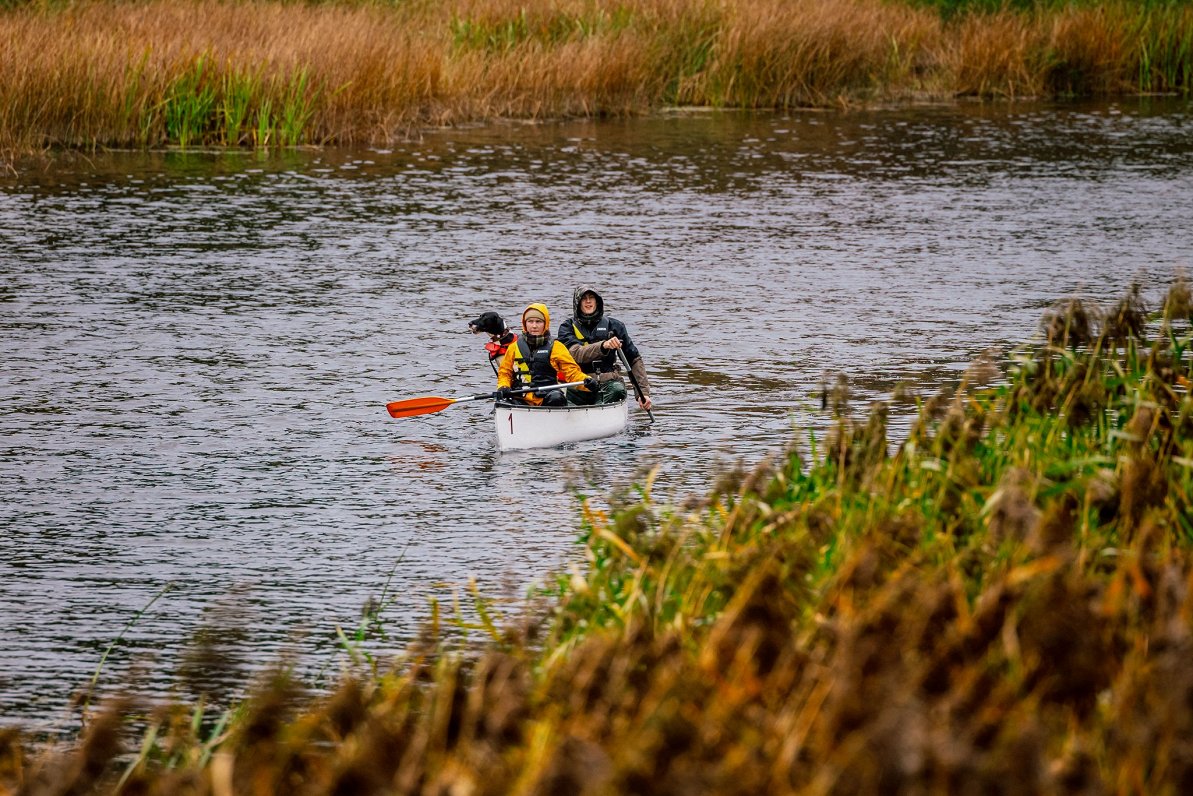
x=148, y=72
x=1099, y=50
x=102, y=73
x=785, y=55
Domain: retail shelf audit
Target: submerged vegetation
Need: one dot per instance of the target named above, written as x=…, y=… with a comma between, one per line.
x=1001, y=603
x=98, y=73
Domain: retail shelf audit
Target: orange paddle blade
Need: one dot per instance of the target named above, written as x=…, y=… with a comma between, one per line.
x=418, y=406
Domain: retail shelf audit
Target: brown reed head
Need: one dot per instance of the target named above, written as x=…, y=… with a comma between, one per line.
x=1070, y=323
x=1126, y=320
x=1012, y=513
x=1178, y=302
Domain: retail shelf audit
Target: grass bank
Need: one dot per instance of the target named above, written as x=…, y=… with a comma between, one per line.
x=1003, y=603
x=201, y=72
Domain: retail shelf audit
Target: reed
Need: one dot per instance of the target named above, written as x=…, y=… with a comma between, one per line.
x=188, y=107
x=1004, y=601
x=197, y=72
x=1165, y=57
x=238, y=91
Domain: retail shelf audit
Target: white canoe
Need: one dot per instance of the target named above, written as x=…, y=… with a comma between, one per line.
x=520, y=427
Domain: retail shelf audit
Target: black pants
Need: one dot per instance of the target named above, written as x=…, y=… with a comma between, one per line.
x=553, y=398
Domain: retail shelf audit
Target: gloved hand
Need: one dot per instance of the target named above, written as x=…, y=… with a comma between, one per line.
x=592, y=384
x=503, y=394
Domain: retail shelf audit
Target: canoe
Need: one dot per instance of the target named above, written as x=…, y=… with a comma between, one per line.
x=520, y=427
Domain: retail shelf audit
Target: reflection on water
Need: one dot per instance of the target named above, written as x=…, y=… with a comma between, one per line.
x=199, y=346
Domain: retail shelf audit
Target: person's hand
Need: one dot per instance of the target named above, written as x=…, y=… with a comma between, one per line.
x=592, y=384
x=645, y=402
x=503, y=394
x=612, y=344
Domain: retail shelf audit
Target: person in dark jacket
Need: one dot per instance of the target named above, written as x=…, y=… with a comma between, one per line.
x=593, y=339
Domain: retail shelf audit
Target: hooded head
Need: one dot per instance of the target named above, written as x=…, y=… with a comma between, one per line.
x=537, y=311
x=580, y=315
x=541, y=310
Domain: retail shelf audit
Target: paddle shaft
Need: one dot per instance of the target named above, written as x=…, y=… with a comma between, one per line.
x=634, y=381
x=412, y=407
x=532, y=389
x=492, y=395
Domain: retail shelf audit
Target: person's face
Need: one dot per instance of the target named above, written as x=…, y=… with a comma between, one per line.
x=535, y=326
x=588, y=304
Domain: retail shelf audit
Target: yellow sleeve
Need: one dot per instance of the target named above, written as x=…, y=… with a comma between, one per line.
x=505, y=371
x=563, y=362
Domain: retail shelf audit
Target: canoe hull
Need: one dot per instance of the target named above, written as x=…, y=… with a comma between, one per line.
x=521, y=427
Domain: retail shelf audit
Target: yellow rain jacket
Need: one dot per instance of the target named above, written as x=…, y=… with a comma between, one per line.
x=565, y=366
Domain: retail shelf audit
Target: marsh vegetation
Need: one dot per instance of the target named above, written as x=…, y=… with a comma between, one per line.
x=1000, y=602
x=191, y=72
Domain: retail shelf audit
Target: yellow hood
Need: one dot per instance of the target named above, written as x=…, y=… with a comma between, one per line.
x=541, y=308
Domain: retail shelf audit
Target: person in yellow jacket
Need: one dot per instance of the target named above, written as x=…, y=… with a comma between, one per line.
x=535, y=360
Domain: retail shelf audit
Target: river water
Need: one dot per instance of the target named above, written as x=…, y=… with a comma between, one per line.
x=198, y=347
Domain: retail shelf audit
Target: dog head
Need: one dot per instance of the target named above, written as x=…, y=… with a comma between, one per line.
x=489, y=323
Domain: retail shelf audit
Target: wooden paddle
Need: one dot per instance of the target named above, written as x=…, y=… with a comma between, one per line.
x=634, y=381
x=411, y=407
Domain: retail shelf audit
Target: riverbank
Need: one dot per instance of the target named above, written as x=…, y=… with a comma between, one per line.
x=1003, y=602
x=190, y=72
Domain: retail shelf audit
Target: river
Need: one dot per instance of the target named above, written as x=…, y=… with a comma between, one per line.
x=198, y=347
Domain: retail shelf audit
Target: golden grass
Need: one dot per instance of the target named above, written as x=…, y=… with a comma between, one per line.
x=1105, y=50
x=149, y=72
x=993, y=56
x=98, y=73
x=1090, y=51
x=784, y=55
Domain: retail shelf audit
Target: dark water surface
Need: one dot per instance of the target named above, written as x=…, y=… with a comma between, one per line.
x=197, y=347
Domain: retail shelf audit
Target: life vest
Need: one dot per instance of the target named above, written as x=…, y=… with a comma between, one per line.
x=600, y=333
x=496, y=348
x=535, y=370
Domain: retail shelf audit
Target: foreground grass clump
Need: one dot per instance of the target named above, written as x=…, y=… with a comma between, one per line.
x=97, y=73
x=1002, y=604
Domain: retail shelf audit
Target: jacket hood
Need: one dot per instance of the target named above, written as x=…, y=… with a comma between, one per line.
x=600, y=308
x=541, y=308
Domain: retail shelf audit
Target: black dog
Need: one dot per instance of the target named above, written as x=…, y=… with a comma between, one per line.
x=490, y=323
